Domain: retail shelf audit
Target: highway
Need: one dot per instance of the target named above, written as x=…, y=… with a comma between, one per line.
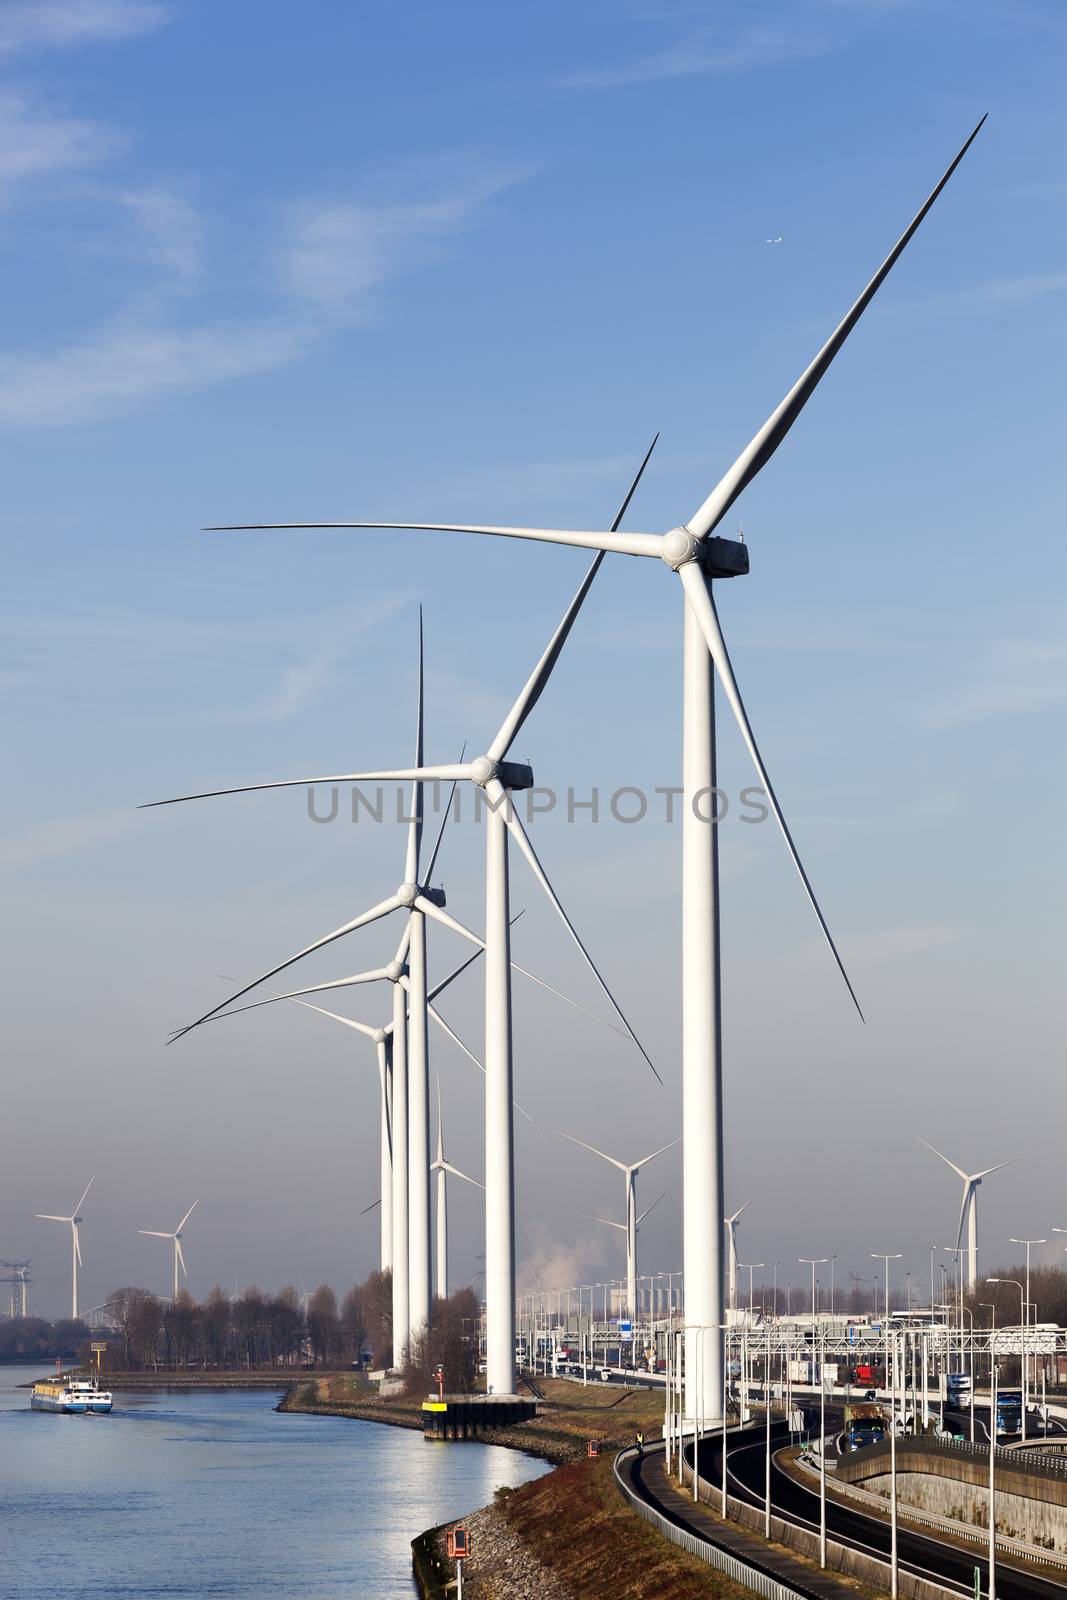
x=919, y=1553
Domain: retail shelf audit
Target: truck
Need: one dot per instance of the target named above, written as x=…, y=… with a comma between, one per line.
x=958, y=1390
x=864, y=1424
x=1009, y=1411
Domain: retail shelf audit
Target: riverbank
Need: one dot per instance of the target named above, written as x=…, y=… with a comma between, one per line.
x=565, y=1536
x=281, y=1378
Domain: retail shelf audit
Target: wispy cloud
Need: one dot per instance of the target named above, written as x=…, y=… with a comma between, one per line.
x=121, y=367
x=1016, y=675
x=305, y=680
x=334, y=255
x=63, y=836
x=1013, y=291
x=61, y=24
x=169, y=227
x=341, y=249
x=893, y=944
x=35, y=143
x=700, y=54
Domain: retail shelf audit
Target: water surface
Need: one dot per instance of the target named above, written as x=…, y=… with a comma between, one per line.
x=216, y=1494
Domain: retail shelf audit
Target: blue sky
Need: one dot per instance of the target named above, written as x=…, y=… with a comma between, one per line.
x=461, y=262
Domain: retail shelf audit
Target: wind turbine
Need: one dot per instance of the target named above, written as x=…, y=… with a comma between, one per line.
x=629, y=1171
x=75, y=1246
x=496, y=776
x=968, y=1208
x=442, y=1167
x=176, y=1238
x=382, y=1038
x=731, y=1241
x=19, y=1280
x=699, y=559
x=630, y=1228
x=410, y=1089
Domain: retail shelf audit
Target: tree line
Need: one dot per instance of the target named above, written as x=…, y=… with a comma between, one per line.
x=250, y=1331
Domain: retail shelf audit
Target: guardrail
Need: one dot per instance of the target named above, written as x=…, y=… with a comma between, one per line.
x=1006, y=1545
x=749, y=1577
x=1021, y=1458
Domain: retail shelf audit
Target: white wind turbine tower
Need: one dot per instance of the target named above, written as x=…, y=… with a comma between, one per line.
x=968, y=1208
x=442, y=1166
x=699, y=559
x=731, y=1243
x=629, y=1171
x=176, y=1240
x=75, y=1245
x=496, y=776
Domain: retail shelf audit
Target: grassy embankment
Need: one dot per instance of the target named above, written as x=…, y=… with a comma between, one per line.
x=572, y=1522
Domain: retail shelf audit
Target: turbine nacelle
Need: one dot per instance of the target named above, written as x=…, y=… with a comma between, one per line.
x=720, y=558
x=510, y=774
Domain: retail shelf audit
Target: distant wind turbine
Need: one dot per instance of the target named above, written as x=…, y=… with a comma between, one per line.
x=630, y=1228
x=629, y=1171
x=75, y=1246
x=176, y=1239
x=968, y=1208
x=442, y=1167
x=731, y=1247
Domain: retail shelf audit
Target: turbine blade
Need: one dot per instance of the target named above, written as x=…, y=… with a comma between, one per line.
x=538, y=679
x=394, y=774
x=761, y=448
x=77, y=1241
x=731, y=1220
x=81, y=1202
x=46, y=1216
x=411, y=865
x=607, y=1222
x=698, y=593
x=372, y=1207
x=405, y=942
x=314, y=988
x=382, y=909
x=624, y=544
x=604, y=1023
x=652, y=1207
x=456, y=1040
x=456, y=1173
x=637, y=1164
x=519, y=834
x=360, y=1027
x=186, y=1217
x=998, y=1168
x=430, y=910
x=968, y=1194
x=957, y=1170
x=620, y=1164
x=428, y=876
x=151, y=1233
x=181, y=1258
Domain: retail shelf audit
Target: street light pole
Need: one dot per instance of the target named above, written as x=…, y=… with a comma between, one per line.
x=1022, y=1312
x=1026, y=1335
x=812, y=1262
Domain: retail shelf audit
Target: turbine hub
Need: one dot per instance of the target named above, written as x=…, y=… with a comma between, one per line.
x=483, y=770
x=407, y=893
x=395, y=971
x=379, y=1035
x=678, y=548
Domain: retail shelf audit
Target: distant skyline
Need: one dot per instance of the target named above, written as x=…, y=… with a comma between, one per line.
x=278, y=262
